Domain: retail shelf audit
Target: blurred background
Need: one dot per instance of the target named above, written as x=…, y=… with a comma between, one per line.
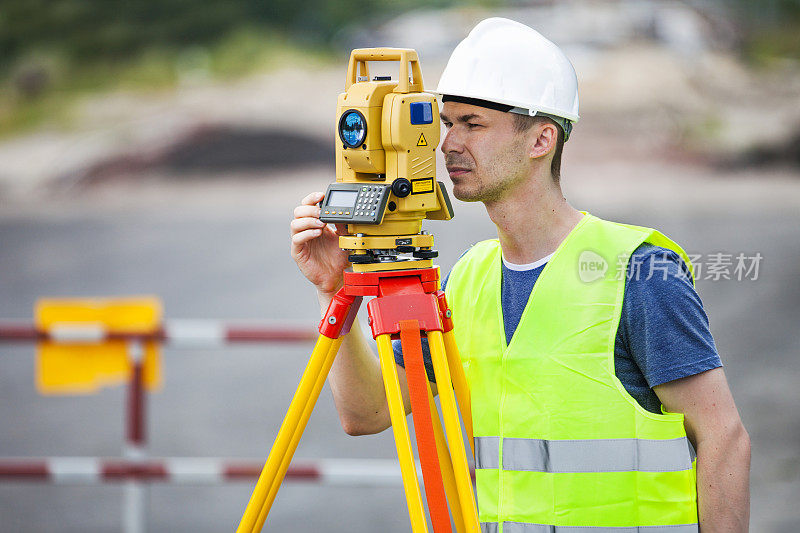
x=159, y=147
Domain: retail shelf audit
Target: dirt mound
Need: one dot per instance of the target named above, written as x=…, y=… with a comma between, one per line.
x=216, y=151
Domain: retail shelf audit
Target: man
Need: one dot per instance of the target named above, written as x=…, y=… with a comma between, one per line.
x=586, y=390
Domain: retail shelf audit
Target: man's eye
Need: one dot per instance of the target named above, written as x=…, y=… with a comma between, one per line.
x=448, y=125
x=472, y=126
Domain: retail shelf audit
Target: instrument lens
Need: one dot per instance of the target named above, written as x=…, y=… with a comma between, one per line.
x=353, y=128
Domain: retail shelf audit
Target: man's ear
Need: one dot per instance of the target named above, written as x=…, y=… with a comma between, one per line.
x=544, y=139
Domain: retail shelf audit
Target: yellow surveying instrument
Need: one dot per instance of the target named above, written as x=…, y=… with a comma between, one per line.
x=385, y=186
x=387, y=133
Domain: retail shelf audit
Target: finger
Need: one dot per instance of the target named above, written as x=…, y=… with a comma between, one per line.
x=341, y=229
x=331, y=231
x=313, y=198
x=306, y=211
x=305, y=223
x=305, y=236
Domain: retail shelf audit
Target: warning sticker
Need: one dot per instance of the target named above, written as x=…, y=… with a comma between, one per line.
x=421, y=141
x=421, y=185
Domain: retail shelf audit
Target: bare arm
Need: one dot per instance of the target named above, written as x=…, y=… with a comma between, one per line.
x=722, y=444
x=355, y=378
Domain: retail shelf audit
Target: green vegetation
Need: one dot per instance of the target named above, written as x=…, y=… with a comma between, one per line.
x=43, y=85
x=52, y=52
x=767, y=46
x=770, y=30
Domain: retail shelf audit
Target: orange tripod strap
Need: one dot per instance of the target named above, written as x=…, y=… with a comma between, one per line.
x=423, y=425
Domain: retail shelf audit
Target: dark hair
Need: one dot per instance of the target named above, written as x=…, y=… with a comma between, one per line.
x=523, y=123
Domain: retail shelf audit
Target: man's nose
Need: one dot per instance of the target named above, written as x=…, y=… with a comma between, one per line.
x=452, y=142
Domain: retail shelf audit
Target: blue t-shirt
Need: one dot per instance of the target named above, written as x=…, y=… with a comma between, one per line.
x=663, y=332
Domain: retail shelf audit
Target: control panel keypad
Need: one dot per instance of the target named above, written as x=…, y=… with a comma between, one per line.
x=367, y=208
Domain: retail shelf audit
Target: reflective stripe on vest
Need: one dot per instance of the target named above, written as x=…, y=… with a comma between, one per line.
x=521, y=527
x=594, y=455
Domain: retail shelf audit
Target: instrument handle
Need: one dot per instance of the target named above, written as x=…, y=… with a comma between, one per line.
x=360, y=56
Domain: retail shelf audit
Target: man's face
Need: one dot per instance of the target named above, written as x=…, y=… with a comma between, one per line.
x=485, y=156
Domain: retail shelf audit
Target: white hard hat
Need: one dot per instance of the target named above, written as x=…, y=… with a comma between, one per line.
x=505, y=62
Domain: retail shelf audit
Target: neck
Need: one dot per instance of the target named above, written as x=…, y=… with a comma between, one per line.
x=532, y=220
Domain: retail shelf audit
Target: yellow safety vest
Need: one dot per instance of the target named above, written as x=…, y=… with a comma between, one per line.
x=560, y=446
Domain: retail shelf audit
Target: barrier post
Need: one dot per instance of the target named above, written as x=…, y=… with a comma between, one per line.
x=135, y=509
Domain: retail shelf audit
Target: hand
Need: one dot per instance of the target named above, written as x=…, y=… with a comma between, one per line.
x=315, y=246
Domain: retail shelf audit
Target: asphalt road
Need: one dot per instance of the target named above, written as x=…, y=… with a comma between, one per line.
x=226, y=257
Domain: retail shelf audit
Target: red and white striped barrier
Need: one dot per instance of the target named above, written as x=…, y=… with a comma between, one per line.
x=195, y=471
x=137, y=469
x=173, y=333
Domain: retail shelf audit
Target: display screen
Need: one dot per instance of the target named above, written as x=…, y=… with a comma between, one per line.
x=342, y=198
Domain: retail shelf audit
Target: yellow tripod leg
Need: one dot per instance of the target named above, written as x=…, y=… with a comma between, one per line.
x=287, y=458
x=397, y=414
x=446, y=465
x=460, y=385
x=289, y=435
x=454, y=437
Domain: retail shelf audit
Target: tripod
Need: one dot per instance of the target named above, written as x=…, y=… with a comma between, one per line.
x=407, y=304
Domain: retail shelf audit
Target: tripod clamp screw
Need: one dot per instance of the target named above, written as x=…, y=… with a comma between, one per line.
x=331, y=320
x=448, y=313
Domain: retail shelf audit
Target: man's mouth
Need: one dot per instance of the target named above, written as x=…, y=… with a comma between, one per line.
x=457, y=171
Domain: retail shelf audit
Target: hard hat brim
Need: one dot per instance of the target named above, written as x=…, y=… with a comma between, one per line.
x=514, y=104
